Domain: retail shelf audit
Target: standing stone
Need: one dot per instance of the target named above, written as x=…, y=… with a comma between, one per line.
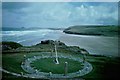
x=21, y=73
x=36, y=71
x=27, y=66
x=70, y=56
x=22, y=63
x=41, y=55
x=35, y=57
x=79, y=71
x=28, y=59
x=84, y=58
x=51, y=53
x=24, y=56
x=50, y=73
x=56, y=56
x=66, y=68
x=86, y=68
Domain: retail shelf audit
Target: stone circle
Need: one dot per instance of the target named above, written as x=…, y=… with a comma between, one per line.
x=34, y=73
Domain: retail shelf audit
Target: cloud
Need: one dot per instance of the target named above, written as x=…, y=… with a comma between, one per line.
x=60, y=0
x=59, y=14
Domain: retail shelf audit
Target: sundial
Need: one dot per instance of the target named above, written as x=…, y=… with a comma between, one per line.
x=62, y=66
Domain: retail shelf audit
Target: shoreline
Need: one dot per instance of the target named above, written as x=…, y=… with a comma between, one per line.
x=98, y=45
x=95, y=45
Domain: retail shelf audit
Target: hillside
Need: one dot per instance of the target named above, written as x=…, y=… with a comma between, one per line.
x=104, y=68
x=44, y=46
x=93, y=30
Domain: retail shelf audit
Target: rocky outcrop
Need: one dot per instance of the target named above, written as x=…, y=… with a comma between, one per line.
x=51, y=42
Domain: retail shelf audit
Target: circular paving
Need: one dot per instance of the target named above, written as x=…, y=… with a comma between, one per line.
x=35, y=73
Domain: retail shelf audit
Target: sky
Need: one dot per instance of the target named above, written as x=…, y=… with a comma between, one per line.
x=58, y=14
x=60, y=0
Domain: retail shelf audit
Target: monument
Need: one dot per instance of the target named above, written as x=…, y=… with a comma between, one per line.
x=24, y=56
x=66, y=68
x=56, y=56
x=84, y=58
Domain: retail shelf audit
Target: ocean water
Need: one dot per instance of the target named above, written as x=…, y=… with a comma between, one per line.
x=31, y=37
x=99, y=45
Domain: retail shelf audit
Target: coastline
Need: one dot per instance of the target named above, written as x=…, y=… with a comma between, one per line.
x=96, y=45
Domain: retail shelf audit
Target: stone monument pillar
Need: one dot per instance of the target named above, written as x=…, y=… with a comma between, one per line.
x=24, y=56
x=51, y=53
x=56, y=56
x=66, y=68
x=84, y=58
x=21, y=73
x=50, y=73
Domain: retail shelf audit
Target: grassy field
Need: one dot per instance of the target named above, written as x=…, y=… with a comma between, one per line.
x=93, y=30
x=14, y=61
x=103, y=67
x=42, y=65
x=11, y=77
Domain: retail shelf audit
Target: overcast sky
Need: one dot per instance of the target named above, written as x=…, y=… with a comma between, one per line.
x=59, y=14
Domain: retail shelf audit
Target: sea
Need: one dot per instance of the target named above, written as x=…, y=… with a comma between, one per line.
x=96, y=45
x=30, y=37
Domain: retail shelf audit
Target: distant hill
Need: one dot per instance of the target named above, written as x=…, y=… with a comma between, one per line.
x=24, y=28
x=13, y=29
x=93, y=30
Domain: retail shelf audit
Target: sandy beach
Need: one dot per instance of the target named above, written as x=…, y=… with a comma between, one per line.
x=99, y=45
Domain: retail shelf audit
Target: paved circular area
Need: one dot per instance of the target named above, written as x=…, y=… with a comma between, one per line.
x=34, y=73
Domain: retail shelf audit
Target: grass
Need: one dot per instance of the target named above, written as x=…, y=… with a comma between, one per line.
x=6, y=76
x=13, y=45
x=48, y=65
x=12, y=62
x=103, y=67
x=93, y=30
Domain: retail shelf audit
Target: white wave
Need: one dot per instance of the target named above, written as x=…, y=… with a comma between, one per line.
x=30, y=37
x=21, y=33
x=20, y=41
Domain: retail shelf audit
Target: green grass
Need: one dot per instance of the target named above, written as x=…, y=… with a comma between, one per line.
x=93, y=30
x=6, y=76
x=48, y=65
x=12, y=62
x=103, y=67
x=13, y=45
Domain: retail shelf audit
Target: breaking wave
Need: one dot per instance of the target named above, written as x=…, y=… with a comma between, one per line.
x=30, y=37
